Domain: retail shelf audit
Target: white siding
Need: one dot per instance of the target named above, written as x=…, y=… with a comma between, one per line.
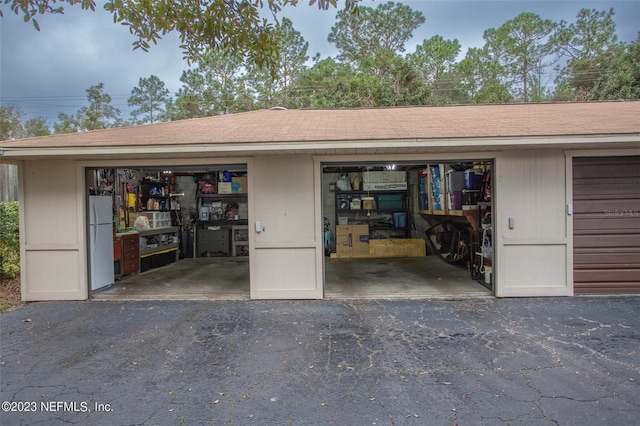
x=53, y=254
x=284, y=258
x=532, y=258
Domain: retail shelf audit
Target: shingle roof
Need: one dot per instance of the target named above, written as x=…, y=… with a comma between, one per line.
x=409, y=123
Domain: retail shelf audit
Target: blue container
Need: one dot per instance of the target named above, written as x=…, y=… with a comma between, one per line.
x=400, y=219
x=473, y=179
x=456, y=200
x=424, y=201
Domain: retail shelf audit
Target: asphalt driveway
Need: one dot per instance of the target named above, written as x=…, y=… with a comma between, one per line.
x=566, y=361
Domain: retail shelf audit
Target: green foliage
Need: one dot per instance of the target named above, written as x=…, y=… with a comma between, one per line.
x=151, y=98
x=245, y=62
x=623, y=79
x=9, y=241
x=274, y=87
x=232, y=26
x=12, y=125
x=521, y=47
x=373, y=32
x=435, y=61
x=216, y=86
x=99, y=114
x=593, y=33
x=598, y=66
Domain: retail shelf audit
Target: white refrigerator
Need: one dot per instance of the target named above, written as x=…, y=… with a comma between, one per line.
x=101, y=241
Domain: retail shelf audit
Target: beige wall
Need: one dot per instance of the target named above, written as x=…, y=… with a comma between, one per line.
x=52, y=228
x=532, y=257
x=284, y=256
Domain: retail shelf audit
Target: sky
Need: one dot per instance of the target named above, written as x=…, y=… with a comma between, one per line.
x=48, y=72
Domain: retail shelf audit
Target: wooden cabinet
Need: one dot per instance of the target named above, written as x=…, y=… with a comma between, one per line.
x=129, y=244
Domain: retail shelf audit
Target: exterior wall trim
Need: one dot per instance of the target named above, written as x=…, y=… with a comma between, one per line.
x=256, y=148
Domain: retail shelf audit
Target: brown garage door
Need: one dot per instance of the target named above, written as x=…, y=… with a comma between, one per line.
x=606, y=225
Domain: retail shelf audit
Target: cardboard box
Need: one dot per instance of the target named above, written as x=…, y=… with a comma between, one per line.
x=385, y=177
x=224, y=188
x=241, y=186
x=389, y=186
x=343, y=240
x=360, y=239
x=352, y=240
x=368, y=203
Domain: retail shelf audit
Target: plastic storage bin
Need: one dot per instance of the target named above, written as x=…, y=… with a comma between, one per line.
x=400, y=219
x=473, y=179
x=455, y=180
x=455, y=200
x=390, y=201
x=158, y=219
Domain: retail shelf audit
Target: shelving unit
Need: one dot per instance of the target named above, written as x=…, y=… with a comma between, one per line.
x=239, y=240
x=154, y=195
x=373, y=217
x=482, y=248
x=217, y=228
x=158, y=247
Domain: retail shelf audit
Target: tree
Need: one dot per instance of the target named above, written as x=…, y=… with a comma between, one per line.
x=10, y=123
x=233, y=26
x=275, y=89
x=36, y=127
x=99, y=114
x=593, y=33
x=13, y=126
x=374, y=33
x=479, y=74
x=324, y=85
x=151, y=98
x=623, y=79
x=435, y=60
x=590, y=46
x=521, y=46
x=435, y=57
x=216, y=86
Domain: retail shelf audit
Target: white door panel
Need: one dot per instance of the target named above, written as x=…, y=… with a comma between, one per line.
x=283, y=261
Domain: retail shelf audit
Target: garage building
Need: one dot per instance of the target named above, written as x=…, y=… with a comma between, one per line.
x=526, y=200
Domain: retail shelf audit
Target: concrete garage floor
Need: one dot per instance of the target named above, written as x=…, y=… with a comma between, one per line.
x=228, y=279
x=398, y=278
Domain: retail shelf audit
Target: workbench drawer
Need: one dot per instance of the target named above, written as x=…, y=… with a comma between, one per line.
x=130, y=267
x=128, y=257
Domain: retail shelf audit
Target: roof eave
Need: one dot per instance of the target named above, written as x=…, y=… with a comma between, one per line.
x=181, y=150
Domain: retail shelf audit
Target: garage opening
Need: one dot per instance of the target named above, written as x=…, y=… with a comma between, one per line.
x=408, y=229
x=168, y=232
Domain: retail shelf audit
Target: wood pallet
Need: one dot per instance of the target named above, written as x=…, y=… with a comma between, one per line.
x=392, y=247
